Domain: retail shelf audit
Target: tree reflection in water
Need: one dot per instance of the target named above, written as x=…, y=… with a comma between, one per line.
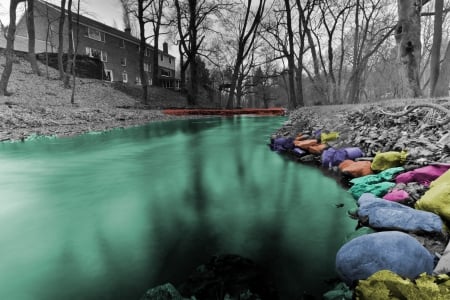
x=112, y=214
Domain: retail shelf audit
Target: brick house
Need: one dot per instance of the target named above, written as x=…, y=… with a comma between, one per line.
x=118, y=50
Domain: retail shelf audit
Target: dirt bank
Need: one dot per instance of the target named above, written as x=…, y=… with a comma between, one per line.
x=41, y=106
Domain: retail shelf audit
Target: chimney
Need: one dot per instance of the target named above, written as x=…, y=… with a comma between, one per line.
x=128, y=30
x=165, y=48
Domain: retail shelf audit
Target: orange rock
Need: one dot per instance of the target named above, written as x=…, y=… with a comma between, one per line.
x=356, y=168
x=317, y=149
x=305, y=144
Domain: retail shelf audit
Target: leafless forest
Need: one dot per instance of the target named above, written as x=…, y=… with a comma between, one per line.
x=312, y=52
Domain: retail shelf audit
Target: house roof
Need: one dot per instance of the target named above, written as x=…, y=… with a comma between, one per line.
x=102, y=27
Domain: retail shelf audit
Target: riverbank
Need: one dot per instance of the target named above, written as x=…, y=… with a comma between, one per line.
x=41, y=106
x=416, y=133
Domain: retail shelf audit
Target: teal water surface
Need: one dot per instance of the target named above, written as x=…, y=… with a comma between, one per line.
x=107, y=216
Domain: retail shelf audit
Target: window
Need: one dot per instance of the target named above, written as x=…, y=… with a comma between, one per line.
x=162, y=57
x=102, y=55
x=125, y=77
x=138, y=80
x=96, y=34
x=165, y=73
x=147, y=67
x=123, y=61
x=122, y=44
x=147, y=52
x=170, y=60
x=108, y=75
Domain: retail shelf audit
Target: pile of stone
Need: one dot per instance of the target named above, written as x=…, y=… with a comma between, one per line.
x=374, y=129
x=398, y=166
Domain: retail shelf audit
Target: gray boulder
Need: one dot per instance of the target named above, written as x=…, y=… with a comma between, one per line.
x=382, y=214
x=390, y=250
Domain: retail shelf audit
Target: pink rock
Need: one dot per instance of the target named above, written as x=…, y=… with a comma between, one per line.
x=424, y=175
x=396, y=195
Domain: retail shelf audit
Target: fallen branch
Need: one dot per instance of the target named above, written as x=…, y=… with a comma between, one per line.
x=411, y=108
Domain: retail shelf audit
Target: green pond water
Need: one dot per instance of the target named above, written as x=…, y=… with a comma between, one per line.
x=107, y=216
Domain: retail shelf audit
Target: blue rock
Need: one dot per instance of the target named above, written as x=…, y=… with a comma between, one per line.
x=384, y=214
x=390, y=250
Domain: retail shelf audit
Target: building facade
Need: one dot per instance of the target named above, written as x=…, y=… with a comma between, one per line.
x=118, y=50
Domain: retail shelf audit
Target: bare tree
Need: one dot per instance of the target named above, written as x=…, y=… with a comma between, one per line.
x=142, y=7
x=139, y=8
x=290, y=57
x=441, y=88
x=436, y=47
x=249, y=24
x=193, y=21
x=74, y=59
x=372, y=29
x=49, y=36
x=9, y=50
x=305, y=14
x=32, y=38
x=70, y=50
x=407, y=35
x=62, y=18
x=189, y=42
x=156, y=19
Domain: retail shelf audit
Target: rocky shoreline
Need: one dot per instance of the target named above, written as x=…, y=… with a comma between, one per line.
x=402, y=138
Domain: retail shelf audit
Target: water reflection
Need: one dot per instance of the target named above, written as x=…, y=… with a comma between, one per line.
x=107, y=216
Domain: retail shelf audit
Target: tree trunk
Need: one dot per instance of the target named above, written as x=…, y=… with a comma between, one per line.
x=239, y=91
x=290, y=57
x=46, y=52
x=155, y=74
x=291, y=79
x=9, y=51
x=142, y=45
x=60, y=39
x=157, y=26
x=47, y=36
x=353, y=96
x=32, y=38
x=299, y=69
x=245, y=42
x=193, y=86
x=333, y=97
x=193, y=47
x=70, y=48
x=316, y=79
x=234, y=78
x=409, y=46
x=436, y=47
x=443, y=81
x=74, y=60
x=354, y=82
